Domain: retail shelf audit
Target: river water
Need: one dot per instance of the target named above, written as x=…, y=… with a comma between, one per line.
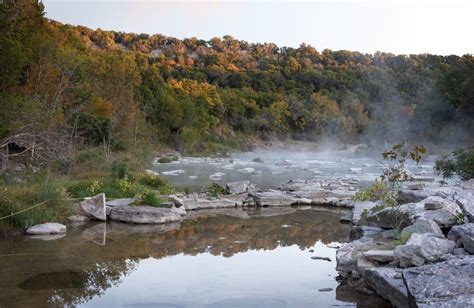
x=270, y=169
x=214, y=258
x=220, y=258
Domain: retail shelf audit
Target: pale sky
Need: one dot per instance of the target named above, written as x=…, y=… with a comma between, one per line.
x=401, y=27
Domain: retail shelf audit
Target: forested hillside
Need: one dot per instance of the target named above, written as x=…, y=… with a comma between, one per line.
x=65, y=88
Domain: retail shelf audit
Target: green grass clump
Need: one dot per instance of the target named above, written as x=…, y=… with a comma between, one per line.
x=18, y=197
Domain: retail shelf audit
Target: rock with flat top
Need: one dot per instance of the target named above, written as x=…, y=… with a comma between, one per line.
x=381, y=256
x=444, y=284
x=144, y=214
x=46, y=228
x=273, y=198
x=94, y=207
x=423, y=226
x=201, y=203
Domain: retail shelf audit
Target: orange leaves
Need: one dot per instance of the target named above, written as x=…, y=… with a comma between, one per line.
x=102, y=108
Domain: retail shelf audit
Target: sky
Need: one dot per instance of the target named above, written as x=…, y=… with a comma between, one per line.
x=401, y=27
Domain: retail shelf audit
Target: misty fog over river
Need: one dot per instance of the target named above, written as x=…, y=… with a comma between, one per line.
x=272, y=168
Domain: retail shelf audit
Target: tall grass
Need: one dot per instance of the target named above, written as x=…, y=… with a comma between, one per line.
x=18, y=197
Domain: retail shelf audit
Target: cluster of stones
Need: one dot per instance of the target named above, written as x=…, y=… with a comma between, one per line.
x=434, y=267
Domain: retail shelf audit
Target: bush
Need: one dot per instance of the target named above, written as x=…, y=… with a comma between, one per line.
x=165, y=160
x=120, y=170
x=150, y=198
x=215, y=190
x=16, y=198
x=460, y=162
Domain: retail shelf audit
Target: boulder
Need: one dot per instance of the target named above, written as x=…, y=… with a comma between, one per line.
x=238, y=187
x=358, y=232
x=423, y=226
x=388, y=283
x=46, y=228
x=422, y=248
x=445, y=284
x=445, y=216
x=465, y=234
x=94, y=207
x=389, y=218
x=381, y=256
x=144, y=214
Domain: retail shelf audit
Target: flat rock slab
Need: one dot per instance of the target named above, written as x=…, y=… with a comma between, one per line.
x=423, y=226
x=94, y=207
x=444, y=284
x=200, y=203
x=46, y=228
x=382, y=256
x=144, y=214
x=388, y=283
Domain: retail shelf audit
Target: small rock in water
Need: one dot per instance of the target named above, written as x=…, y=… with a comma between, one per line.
x=355, y=170
x=192, y=177
x=285, y=226
x=173, y=172
x=46, y=228
x=325, y=289
x=321, y=258
x=247, y=170
x=311, y=250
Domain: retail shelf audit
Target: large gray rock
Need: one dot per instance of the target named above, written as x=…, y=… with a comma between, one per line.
x=423, y=226
x=388, y=283
x=178, y=202
x=46, y=228
x=358, y=232
x=464, y=234
x=238, y=187
x=94, y=207
x=445, y=284
x=422, y=248
x=389, y=218
x=144, y=214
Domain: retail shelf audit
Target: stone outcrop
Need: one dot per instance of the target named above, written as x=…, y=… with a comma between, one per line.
x=94, y=207
x=445, y=284
x=46, y=228
x=145, y=214
x=239, y=187
x=422, y=248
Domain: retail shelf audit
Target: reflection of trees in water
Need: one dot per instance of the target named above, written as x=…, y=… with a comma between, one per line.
x=75, y=270
x=93, y=283
x=227, y=236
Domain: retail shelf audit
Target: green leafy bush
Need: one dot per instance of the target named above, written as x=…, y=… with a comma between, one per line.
x=460, y=162
x=216, y=190
x=150, y=198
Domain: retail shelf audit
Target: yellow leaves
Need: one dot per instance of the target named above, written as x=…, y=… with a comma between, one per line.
x=102, y=108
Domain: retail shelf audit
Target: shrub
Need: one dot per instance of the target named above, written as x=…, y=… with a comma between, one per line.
x=460, y=162
x=120, y=170
x=215, y=190
x=150, y=198
x=165, y=160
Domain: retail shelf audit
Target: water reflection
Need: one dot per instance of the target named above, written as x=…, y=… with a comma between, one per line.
x=217, y=258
